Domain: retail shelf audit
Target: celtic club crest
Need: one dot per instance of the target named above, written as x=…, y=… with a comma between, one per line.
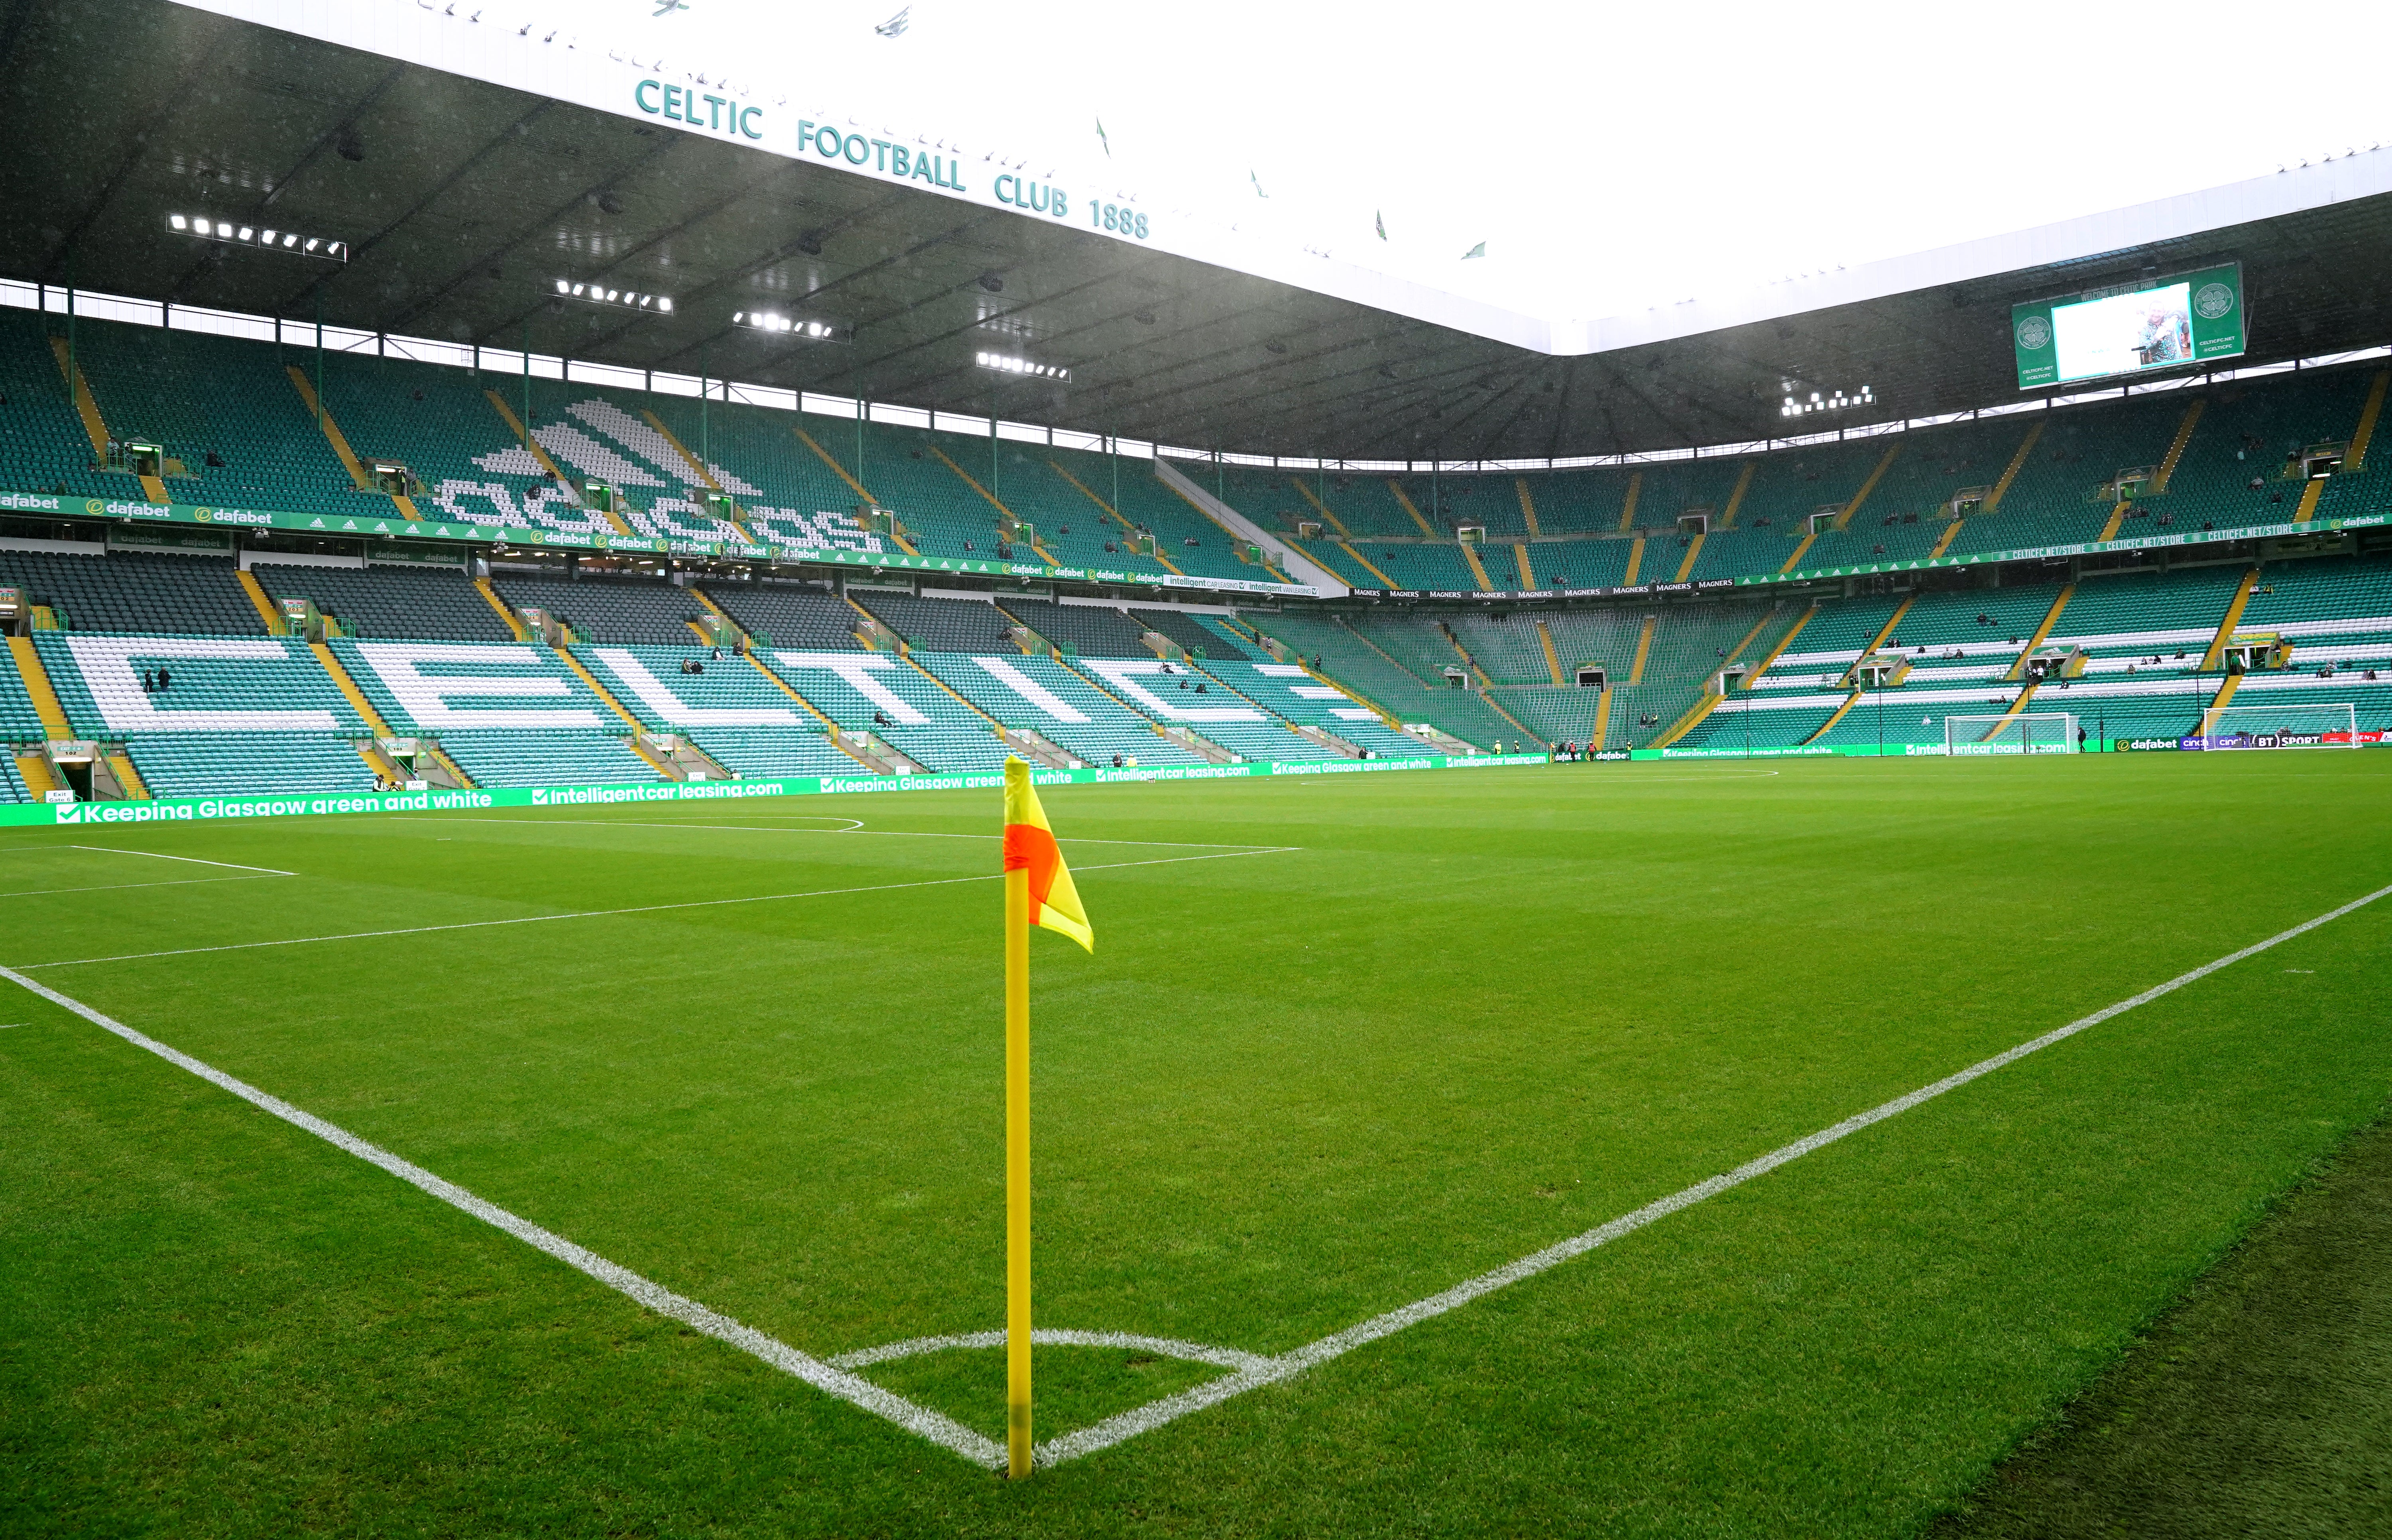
x=2212, y=301
x=2035, y=333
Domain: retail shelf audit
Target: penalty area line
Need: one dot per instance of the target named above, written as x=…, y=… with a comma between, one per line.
x=939, y=1428
x=1287, y=1365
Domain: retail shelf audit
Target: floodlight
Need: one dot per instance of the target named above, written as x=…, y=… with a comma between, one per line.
x=179, y=221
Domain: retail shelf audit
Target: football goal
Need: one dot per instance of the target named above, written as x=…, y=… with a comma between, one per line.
x=2029, y=733
x=2334, y=726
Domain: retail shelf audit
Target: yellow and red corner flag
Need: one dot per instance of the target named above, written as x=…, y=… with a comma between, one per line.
x=1030, y=846
x=1038, y=891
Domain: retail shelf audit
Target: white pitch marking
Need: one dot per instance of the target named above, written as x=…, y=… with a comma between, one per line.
x=1044, y=1336
x=1287, y=1365
x=232, y=866
x=120, y=887
x=938, y=1428
x=641, y=909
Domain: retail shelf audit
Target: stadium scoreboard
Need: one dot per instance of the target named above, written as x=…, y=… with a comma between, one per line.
x=2153, y=323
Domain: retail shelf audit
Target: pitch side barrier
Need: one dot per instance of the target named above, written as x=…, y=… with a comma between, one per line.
x=219, y=810
x=2369, y=739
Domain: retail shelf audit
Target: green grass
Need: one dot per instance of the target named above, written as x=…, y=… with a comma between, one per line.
x=2261, y=1405
x=1470, y=1014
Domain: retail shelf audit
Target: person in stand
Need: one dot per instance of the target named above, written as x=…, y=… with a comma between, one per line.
x=164, y=679
x=148, y=683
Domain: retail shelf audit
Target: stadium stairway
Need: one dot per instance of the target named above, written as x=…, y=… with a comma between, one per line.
x=35, y=680
x=2210, y=659
x=340, y=450
x=88, y=410
x=499, y=607
x=2042, y=632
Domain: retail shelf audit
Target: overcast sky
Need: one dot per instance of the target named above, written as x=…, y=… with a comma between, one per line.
x=1610, y=156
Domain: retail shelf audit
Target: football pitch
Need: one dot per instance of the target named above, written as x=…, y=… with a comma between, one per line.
x=1622, y=1150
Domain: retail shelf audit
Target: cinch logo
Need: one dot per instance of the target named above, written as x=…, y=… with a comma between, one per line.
x=72, y=813
x=539, y=799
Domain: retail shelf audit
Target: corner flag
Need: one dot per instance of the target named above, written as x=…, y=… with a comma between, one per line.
x=1038, y=891
x=1030, y=845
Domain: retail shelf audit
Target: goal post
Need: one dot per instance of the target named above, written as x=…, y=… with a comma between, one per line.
x=2027, y=732
x=2334, y=725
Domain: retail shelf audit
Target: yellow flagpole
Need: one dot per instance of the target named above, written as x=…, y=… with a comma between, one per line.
x=1016, y=1172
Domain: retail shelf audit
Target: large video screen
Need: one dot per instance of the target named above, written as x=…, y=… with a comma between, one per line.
x=2190, y=319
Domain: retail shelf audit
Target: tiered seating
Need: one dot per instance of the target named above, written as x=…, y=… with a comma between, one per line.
x=439, y=422
x=729, y=705
x=1802, y=690
x=196, y=393
x=888, y=696
x=215, y=684
x=1218, y=630
x=19, y=723
x=209, y=764
x=1345, y=657
x=1098, y=631
x=763, y=753
x=1419, y=564
x=125, y=591
x=1062, y=706
x=43, y=444
x=787, y=615
x=940, y=625
x=1585, y=563
x=2255, y=431
x=613, y=610
x=392, y=601
x=512, y=715
x=1959, y=667
x=1192, y=631
x=534, y=758
x=1506, y=648
x=12, y=785
x=2056, y=498
x=1287, y=691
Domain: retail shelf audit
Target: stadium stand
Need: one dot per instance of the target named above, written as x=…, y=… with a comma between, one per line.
x=1097, y=630
x=199, y=394
x=391, y=602
x=1187, y=630
x=215, y=684
x=939, y=625
x=509, y=716
x=896, y=702
x=1074, y=706
x=136, y=591
x=205, y=764
x=613, y=610
x=787, y=615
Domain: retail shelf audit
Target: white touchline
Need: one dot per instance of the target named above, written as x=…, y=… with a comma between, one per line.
x=639, y=909
x=120, y=887
x=231, y=865
x=938, y=1428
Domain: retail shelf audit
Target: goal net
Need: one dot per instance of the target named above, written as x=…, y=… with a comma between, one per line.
x=2035, y=733
x=2334, y=726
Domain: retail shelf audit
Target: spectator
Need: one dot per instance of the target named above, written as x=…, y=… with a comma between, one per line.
x=216, y=461
x=165, y=679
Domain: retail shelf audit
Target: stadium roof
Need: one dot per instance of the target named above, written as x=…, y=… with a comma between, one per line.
x=470, y=173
